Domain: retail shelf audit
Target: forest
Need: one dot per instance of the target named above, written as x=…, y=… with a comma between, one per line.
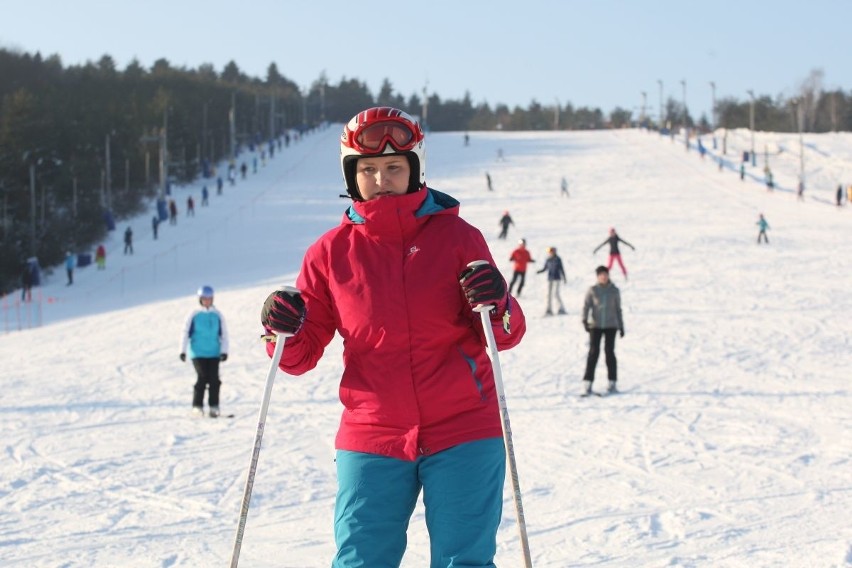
x=84, y=146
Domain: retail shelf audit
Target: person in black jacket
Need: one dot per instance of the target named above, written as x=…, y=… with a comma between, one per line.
x=27, y=283
x=614, y=254
x=504, y=223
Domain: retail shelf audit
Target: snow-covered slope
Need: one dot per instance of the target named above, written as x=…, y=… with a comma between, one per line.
x=729, y=447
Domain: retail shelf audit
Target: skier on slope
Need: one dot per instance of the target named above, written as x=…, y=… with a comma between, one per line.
x=762, y=226
x=417, y=387
x=614, y=254
x=504, y=223
x=555, y=279
x=520, y=258
x=602, y=318
x=206, y=335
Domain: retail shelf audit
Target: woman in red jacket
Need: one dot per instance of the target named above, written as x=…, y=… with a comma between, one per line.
x=420, y=410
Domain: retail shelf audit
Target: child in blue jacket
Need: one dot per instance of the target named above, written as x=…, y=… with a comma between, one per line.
x=206, y=336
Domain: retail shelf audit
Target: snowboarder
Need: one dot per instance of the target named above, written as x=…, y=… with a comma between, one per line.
x=70, y=264
x=504, y=223
x=602, y=318
x=762, y=225
x=205, y=339
x=521, y=257
x=555, y=279
x=614, y=254
x=100, y=257
x=417, y=387
x=128, y=241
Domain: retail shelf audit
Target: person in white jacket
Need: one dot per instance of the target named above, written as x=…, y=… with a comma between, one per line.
x=205, y=339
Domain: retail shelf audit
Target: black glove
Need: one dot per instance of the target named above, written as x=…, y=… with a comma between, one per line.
x=621, y=332
x=183, y=357
x=283, y=311
x=223, y=357
x=483, y=284
x=587, y=327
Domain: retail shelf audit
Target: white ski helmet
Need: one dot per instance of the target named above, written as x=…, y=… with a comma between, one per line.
x=382, y=131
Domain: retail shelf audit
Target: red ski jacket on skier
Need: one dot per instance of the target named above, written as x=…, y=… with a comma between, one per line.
x=417, y=378
x=520, y=257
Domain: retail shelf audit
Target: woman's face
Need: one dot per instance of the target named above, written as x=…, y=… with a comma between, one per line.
x=382, y=176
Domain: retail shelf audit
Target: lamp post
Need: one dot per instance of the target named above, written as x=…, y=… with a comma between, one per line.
x=556, y=115
x=644, y=103
x=660, y=83
x=751, y=123
x=305, y=93
x=685, y=115
x=425, y=106
x=797, y=107
x=713, y=102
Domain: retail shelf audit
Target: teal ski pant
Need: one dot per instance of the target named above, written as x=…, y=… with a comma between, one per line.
x=462, y=496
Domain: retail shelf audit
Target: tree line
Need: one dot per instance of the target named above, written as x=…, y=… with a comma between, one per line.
x=80, y=141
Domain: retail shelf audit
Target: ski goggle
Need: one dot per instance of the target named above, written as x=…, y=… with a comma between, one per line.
x=374, y=137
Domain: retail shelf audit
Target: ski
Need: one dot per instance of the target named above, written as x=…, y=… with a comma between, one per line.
x=199, y=415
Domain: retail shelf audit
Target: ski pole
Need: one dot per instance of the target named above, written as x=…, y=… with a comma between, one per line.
x=261, y=423
x=483, y=310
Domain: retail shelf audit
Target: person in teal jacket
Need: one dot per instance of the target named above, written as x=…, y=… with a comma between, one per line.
x=762, y=225
x=70, y=265
x=205, y=339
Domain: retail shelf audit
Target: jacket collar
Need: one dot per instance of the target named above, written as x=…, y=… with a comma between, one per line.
x=412, y=206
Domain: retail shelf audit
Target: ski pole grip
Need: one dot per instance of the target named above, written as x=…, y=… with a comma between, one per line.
x=289, y=290
x=481, y=307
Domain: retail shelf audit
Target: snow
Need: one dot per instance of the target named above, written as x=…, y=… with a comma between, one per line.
x=730, y=445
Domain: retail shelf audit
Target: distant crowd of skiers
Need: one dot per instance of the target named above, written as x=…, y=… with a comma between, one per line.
x=30, y=271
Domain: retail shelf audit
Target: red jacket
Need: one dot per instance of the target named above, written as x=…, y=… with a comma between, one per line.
x=521, y=257
x=417, y=378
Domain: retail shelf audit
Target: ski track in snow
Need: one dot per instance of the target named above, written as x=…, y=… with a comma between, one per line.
x=729, y=445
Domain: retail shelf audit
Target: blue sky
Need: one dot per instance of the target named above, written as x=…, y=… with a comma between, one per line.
x=599, y=53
